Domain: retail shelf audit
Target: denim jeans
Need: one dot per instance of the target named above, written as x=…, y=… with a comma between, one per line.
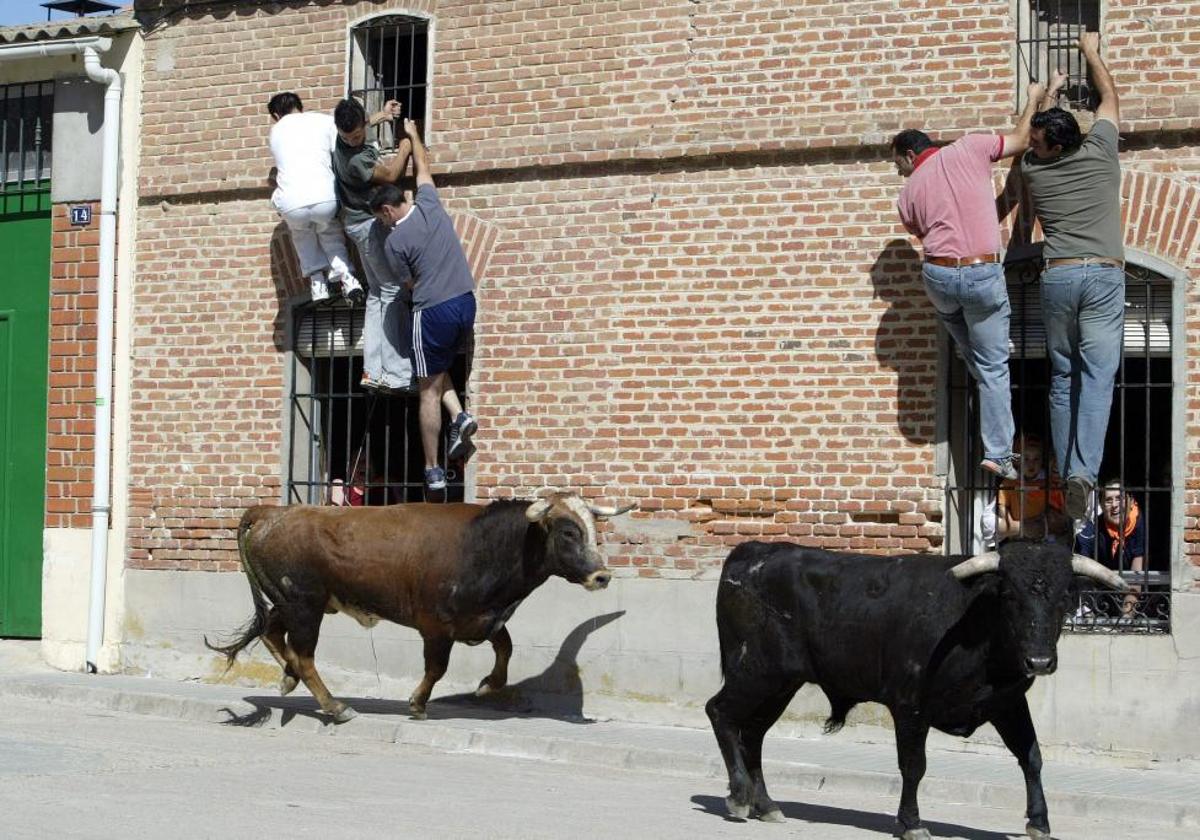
x=972, y=302
x=1084, y=310
x=387, y=324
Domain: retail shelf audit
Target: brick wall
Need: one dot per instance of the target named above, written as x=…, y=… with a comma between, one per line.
x=696, y=292
x=74, y=271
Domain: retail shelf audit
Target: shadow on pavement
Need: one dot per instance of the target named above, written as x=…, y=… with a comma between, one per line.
x=866, y=820
x=556, y=693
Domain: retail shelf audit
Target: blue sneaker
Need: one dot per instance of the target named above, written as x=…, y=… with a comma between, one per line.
x=435, y=478
x=460, y=436
x=1002, y=467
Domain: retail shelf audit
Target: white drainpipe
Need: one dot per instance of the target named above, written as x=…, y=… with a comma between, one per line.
x=91, y=48
x=101, y=503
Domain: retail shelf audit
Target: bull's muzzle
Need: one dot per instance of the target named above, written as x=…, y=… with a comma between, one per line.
x=1040, y=666
x=597, y=580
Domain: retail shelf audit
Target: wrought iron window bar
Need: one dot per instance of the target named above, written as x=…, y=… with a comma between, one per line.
x=1139, y=441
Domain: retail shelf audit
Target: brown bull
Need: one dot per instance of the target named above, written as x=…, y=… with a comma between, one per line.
x=454, y=572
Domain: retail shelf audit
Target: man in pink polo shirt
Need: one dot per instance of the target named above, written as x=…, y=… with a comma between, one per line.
x=950, y=203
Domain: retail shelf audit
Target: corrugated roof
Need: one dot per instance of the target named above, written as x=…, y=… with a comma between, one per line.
x=71, y=28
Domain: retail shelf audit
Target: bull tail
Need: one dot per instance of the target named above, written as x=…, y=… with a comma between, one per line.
x=839, y=707
x=250, y=632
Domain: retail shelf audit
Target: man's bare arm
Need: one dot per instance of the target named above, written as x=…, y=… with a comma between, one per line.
x=1018, y=141
x=420, y=156
x=1057, y=82
x=390, y=169
x=1109, y=108
x=391, y=110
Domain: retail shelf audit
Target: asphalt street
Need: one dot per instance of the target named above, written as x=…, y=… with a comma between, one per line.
x=68, y=772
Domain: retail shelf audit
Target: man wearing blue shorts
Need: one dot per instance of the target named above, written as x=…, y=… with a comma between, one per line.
x=422, y=243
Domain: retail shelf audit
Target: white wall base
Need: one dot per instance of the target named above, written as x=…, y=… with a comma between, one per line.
x=647, y=650
x=66, y=589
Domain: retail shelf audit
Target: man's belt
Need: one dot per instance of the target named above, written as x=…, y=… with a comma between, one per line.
x=1114, y=262
x=959, y=262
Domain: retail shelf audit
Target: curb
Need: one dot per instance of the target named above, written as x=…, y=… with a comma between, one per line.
x=487, y=740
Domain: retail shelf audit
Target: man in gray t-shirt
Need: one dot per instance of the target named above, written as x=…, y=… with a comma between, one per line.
x=422, y=243
x=1075, y=183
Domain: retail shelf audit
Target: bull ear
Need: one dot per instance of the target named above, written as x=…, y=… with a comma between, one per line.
x=537, y=511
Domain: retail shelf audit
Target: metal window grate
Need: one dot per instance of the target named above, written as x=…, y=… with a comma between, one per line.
x=1138, y=446
x=389, y=59
x=27, y=114
x=347, y=446
x=1047, y=40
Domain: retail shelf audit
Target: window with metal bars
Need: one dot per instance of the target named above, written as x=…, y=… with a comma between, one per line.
x=26, y=126
x=1138, y=450
x=1047, y=40
x=389, y=59
x=348, y=446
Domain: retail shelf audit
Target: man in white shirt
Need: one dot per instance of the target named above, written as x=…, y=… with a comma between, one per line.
x=302, y=145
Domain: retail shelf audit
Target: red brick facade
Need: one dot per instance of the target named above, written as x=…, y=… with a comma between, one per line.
x=74, y=271
x=694, y=288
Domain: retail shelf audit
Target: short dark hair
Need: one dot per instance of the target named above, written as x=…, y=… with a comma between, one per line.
x=282, y=104
x=1059, y=128
x=911, y=140
x=388, y=194
x=349, y=115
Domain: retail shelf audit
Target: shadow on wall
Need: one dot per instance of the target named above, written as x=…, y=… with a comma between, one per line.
x=556, y=693
x=883, y=824
x=906, y=339
x=286, y=280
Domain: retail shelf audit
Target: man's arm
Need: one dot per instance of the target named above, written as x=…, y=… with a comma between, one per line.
x=389, y=169
x=391, y=110
x=1050, y=100
x=1109, y=108
x=420, y=157
x=1018, y=141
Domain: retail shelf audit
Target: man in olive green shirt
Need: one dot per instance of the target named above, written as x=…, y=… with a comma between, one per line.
x=1075, y=183
x=358, y=169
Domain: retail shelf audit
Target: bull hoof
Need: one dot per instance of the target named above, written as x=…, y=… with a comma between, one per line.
x=486, y=687
x=344, y=714
x=286, y=686
x=737, y=809
x=916, y=834
x=417, y=714
x=772, y=816
x=1037, y=833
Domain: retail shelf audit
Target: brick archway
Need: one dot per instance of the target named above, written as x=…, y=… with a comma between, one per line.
x=1161, y=216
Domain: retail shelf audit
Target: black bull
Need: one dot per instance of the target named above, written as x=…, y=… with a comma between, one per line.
x=942, y=642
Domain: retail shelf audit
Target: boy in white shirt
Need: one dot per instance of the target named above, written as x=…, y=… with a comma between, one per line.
x=302, y=145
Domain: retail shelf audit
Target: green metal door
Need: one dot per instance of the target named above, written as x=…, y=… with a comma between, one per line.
x=24, y=351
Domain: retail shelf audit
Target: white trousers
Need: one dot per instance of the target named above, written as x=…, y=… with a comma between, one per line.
x=320, y=242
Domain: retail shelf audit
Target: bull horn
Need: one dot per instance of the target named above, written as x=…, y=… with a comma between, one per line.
x=977, y=565
x=1088, y=567
x=538, y=510
x=608, y=512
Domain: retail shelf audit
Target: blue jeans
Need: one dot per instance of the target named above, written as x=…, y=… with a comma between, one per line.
x=972, y=302
x=1084, y=310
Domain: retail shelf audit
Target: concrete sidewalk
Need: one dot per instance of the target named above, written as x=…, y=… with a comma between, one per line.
x=1158, y=797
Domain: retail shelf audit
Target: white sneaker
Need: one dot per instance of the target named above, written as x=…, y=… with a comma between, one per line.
x=352, y=289
x=320, y=289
